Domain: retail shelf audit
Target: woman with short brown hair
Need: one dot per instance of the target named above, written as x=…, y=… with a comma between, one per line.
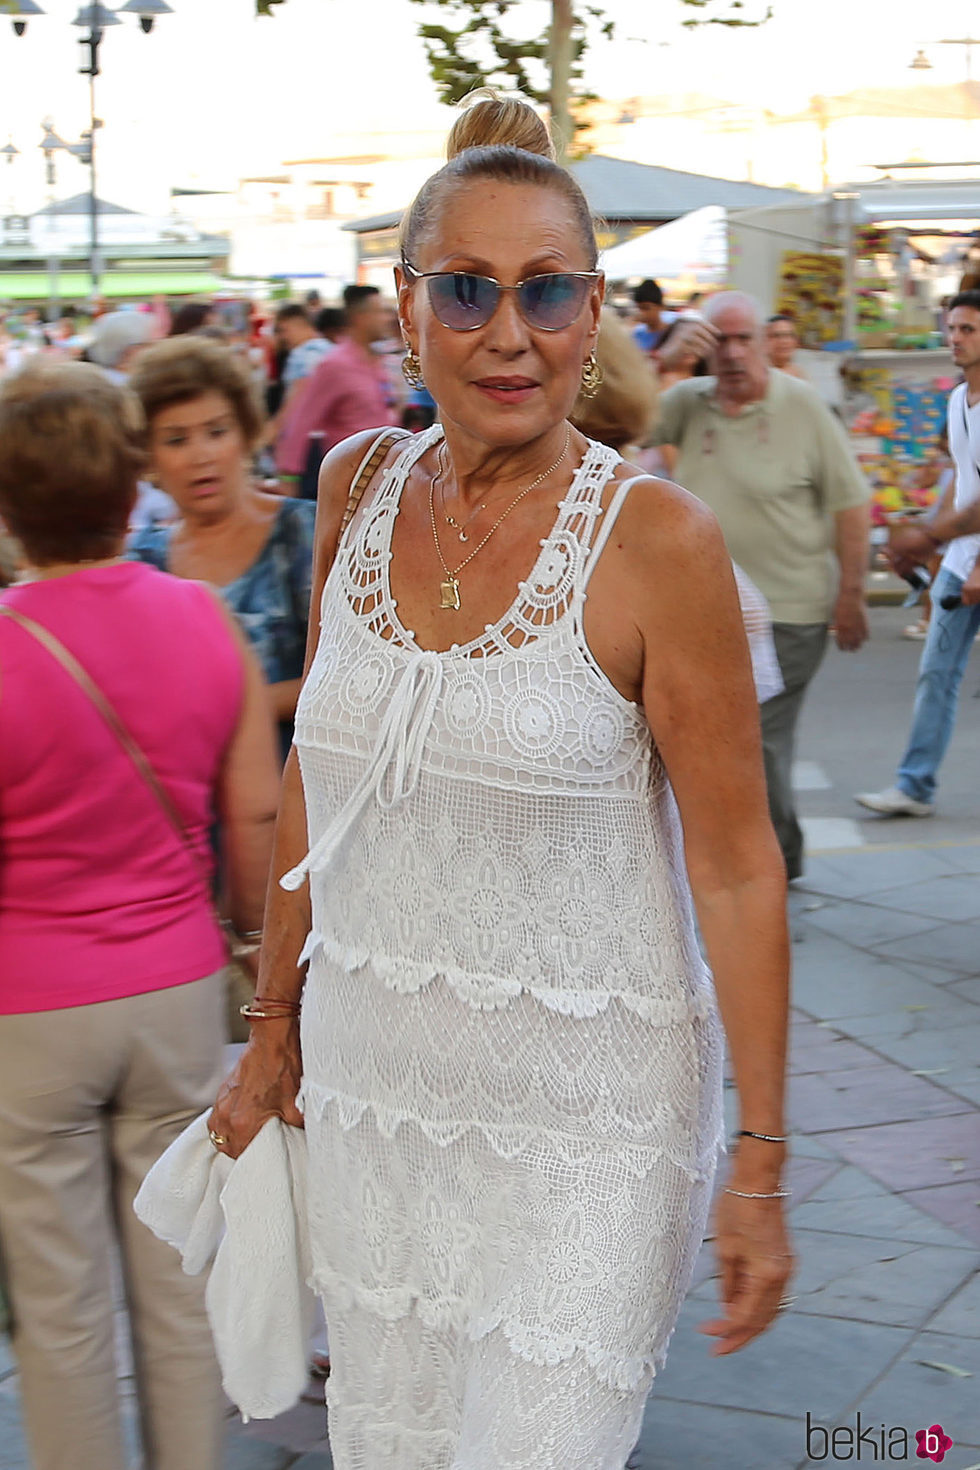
x=202, y=422
x=131, y=714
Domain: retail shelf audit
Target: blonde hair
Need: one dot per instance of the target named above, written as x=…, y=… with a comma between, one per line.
x=496, y=138
x=488, y=120
x=623, y=410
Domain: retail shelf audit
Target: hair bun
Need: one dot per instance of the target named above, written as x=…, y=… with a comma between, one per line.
x=491, y=121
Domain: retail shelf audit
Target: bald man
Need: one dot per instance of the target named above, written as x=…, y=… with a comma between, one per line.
x=770, y=459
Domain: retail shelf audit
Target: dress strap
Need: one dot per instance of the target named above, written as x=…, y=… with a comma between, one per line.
x=413, y=446
x=608, y=523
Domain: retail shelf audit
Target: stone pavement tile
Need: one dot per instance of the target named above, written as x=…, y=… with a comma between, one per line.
x=963, y=858
x=867, y=923
x=804, y=1175
x=882, y=1093
x=887, y=1217
x=875, y=1280
x=854, y=875
x=849, y=1183
x=954, y=896
x=964, y=1081
x=804, y=1362
x=679, y=1436
x=953, y=947
x=802, y=1147
x=925, y=1040
x=969, y=988
x=915, y=1155
x=13, y=1445
x=832, y=981
x=917, y=1396
x=304, y=1427
x=242, y=1453
x=956, y=1205
x=960, y=1317
x=823, y=1049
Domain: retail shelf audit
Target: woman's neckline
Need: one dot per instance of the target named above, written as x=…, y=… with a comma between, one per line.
x=400, y=471
x=273, y=527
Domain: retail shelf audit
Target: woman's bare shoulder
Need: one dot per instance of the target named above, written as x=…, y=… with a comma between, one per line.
x=664, y=537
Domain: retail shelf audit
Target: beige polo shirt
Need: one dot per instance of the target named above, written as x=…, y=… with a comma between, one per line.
x=775, y=474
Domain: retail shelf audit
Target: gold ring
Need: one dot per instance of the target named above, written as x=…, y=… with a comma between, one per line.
x=218, y=1139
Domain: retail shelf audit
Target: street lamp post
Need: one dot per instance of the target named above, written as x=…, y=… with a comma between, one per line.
x=93, y=20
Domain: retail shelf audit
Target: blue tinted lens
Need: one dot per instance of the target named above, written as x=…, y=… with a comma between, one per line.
x=552, y=302
x=461, y=301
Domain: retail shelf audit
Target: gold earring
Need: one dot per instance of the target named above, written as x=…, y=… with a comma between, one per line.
x=412, y=369
x=592, y=376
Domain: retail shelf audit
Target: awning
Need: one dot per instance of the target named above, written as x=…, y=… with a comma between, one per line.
x=35, y=285
x=695, y=245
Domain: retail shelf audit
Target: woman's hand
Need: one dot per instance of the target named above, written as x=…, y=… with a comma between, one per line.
x=756, y=1263
x=263, y=1085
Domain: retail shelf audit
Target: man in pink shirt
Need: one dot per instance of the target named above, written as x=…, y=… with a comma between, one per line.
x=347, y=392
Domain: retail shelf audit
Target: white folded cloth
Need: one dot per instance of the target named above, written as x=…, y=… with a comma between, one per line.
x=248, y=1217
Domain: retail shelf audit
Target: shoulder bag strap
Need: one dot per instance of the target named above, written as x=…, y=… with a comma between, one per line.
x=366, y=472
x=87, y=684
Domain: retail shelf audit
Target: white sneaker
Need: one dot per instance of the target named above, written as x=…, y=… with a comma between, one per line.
x=894, y=803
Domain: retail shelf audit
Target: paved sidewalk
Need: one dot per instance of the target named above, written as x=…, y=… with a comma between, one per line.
x=885, y=1107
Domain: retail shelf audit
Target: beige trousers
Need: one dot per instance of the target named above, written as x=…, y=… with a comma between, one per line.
x=89, y=1098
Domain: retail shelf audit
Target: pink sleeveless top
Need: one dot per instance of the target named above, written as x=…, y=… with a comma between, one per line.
x=99, y=898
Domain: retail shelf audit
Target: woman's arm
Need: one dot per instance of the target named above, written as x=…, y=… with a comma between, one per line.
x=700, y=702
x=282, y=697
x=248, y=789
x=267, y=1077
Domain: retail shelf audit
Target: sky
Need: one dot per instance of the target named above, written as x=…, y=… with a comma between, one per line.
x=215, y=92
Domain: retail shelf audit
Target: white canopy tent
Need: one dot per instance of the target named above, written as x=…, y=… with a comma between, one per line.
x=693, y=249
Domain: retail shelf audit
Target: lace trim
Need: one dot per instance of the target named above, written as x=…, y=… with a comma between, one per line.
x=314, y=1100
x=450, y=1313
x=492, y=992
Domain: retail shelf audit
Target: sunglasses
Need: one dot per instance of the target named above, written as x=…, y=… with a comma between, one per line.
x=463, y=301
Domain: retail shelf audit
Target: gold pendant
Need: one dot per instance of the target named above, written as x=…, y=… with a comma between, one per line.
x=449, y=594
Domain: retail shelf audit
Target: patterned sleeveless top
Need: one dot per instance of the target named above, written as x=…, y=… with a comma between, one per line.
x=496, y=815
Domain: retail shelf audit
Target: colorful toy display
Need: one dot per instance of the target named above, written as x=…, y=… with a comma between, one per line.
x=811, y=291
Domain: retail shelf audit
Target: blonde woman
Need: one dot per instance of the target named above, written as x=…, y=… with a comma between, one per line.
x=526, y=670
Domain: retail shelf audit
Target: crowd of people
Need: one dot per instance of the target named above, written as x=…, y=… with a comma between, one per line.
x=535, y=818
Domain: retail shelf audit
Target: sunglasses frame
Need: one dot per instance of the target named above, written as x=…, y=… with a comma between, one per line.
x=538, y=276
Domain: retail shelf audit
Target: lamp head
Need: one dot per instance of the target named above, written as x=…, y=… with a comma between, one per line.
x=147, y=10
x=19, y=12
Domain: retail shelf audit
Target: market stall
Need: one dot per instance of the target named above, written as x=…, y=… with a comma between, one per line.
x=864, y=272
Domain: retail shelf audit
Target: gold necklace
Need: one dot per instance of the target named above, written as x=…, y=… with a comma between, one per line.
x=461, y=527
x=449, y=589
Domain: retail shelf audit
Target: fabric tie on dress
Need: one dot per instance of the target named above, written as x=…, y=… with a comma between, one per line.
x=401, y=741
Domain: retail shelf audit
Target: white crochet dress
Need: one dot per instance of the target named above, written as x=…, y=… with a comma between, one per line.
x=512, y=1055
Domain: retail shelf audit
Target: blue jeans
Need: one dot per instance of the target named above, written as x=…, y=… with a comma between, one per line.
x=947, y=648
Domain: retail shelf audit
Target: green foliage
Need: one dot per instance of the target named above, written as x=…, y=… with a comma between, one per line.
x=732, y=17
x=472, y=49
x=467, y=44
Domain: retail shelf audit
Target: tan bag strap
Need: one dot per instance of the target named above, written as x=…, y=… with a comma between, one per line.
x=87, y=684
x=366, y=472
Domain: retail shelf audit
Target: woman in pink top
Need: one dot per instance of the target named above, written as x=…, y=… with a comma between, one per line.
x=111, y=993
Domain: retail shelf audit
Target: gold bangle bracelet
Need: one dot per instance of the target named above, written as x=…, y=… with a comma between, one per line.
x=253, y=1012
